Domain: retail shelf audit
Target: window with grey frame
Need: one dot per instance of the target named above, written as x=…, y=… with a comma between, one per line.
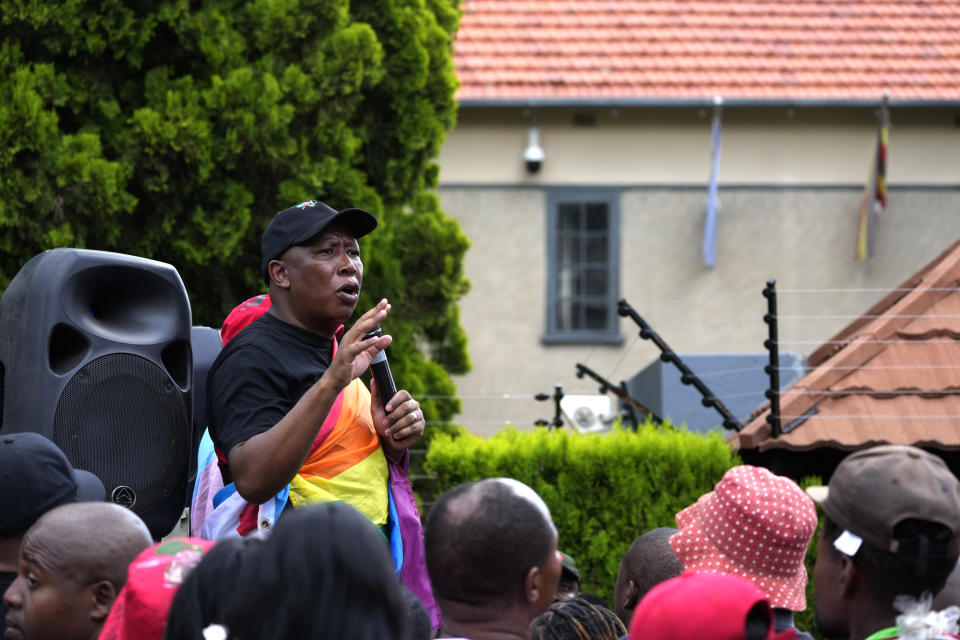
x=583, y=258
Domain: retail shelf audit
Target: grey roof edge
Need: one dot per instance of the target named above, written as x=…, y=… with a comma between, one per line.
x=543, y=103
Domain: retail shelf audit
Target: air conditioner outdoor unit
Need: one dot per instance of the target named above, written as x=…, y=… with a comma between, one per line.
x=588, y=414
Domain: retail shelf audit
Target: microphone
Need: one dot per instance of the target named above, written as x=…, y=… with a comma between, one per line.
x=381, y=370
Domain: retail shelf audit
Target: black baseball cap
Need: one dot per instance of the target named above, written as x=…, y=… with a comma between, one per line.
x=302, y=221
x=569, y=565
x=35, y=476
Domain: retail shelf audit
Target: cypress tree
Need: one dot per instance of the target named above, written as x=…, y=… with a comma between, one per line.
x=175, y=129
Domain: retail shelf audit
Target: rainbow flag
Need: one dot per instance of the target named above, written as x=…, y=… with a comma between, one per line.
x=875, y=190
x=346, y=462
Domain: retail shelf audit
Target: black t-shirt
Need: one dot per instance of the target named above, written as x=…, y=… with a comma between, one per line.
x=6, y=579
x=258, y=377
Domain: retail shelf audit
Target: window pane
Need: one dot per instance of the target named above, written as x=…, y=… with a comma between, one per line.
x=596, y=316
x=597, y=216
x=567, y=312
x=596, y=281
x=581, y=273
x=568, y=251
x=569, y=216
x=597, y=248
x=568, y=282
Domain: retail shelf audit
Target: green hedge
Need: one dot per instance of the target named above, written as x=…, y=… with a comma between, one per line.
x=603, y=491
x=806, y=620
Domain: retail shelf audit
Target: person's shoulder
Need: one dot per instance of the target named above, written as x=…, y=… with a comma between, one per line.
x=254, y=332
x=259, y=334
x=250, y=346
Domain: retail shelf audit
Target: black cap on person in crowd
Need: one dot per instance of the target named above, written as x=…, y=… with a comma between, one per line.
x=875, y=489
x=569, y=565
x=35, y=476
x=301, y=222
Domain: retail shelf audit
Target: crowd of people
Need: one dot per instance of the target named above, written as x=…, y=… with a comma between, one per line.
x=304, y=524
x=76, y=567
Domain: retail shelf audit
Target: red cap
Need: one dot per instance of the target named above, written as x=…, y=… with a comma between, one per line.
x=140, y=612
x=242, y=315
x=694, y=606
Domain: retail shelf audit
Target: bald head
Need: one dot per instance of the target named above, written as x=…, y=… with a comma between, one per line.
x=73, y=563
x=90, y=541
x=483, y=537
x=648, y=562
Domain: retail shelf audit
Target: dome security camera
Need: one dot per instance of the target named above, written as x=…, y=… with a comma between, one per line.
x=533, y=157
x=533, y=154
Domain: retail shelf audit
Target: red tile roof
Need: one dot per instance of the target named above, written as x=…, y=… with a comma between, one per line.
x=891, y=376
x=682, y=49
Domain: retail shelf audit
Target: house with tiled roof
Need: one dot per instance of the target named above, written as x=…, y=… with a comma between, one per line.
x=595, y=50
x=619, y=98
x=891, y=376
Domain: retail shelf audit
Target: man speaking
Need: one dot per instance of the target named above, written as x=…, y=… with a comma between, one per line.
x=287, y=411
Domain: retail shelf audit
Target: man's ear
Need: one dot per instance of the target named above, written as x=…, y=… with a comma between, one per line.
x=849, y=576
x=103, y=595
x=278, y=274
x=631, y=596
x=532, y=584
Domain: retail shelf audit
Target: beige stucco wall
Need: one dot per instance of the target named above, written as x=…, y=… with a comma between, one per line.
x=672, y=147
x=804, y=237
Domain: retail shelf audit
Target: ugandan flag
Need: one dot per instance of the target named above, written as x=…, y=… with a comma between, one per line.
x=875, y=190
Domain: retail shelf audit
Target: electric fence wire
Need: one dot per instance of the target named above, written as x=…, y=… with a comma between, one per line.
x=867, y=290
x=855, y=316
x=627, y=351
x=687, y=300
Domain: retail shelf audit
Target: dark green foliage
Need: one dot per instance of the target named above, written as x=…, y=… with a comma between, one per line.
x=603, y=491
x=806, y=620
x=174, y=130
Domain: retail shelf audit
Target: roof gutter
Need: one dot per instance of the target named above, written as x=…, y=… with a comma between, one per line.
x=541, y=103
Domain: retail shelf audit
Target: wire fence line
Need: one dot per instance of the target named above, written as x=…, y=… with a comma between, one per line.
x=864, y=316
x=789, y=292
x=800, y=344
x=867, y=290
x=874, y=392
x=871, y=416
x=760, y=392
x=853, y=340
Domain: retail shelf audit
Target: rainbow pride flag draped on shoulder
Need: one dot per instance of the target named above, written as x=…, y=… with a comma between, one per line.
x=343, y=464
x=346, y=463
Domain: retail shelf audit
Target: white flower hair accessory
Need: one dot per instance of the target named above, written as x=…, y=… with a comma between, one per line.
x=918, y=622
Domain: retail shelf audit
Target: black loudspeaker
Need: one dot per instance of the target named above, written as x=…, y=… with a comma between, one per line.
x=206, y=347
x=95, y=354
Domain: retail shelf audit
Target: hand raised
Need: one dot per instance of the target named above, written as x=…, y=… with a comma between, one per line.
x=354, y=353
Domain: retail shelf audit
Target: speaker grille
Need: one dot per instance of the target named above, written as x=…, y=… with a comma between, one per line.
x=121, y=418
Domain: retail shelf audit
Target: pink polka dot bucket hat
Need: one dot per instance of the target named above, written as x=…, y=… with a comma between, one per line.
x=756, y=525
